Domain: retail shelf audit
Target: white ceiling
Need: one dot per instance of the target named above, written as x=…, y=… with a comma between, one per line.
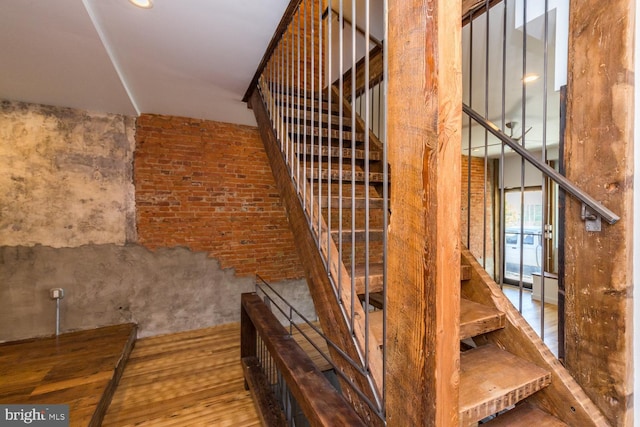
x=192, y=58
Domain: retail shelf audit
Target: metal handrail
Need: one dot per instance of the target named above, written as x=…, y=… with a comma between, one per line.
x=562, y=181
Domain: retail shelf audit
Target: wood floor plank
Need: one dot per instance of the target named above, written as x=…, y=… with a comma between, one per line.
x=78, y=368
x=189, y=378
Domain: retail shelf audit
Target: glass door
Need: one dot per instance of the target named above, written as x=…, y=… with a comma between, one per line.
x=523, y=235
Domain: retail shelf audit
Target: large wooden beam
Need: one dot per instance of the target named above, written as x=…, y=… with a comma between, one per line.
x=424, y=139
x=599, y=158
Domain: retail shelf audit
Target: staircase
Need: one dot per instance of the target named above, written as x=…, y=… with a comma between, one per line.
x=492, y=380
x=497, y=387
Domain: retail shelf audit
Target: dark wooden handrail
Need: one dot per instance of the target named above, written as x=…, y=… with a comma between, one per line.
x=320, y=402
x=289, y=12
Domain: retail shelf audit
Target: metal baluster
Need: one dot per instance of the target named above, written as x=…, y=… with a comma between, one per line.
x=385, y=202
x=320, y=114
x=304, y=121
x=353, y=165
x=522, y=163
x=313, y=107
x=503, y=117
x=366, y=184
x=470, y=131
x=486, y=138
x=299, y=103
x=545, y=219
x=292, y=91
x=340, y=139
x=329, y=111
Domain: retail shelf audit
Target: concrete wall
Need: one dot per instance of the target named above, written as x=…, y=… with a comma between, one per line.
x=65, y=176
x=67, y=219
x=164, y=291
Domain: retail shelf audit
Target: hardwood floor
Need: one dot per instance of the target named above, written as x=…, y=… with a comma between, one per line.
x=79, y=369
x=187, y=379
x=531, y=312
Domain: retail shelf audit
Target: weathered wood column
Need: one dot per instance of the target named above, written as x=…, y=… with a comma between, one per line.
x=424, y=139
x=599, y=158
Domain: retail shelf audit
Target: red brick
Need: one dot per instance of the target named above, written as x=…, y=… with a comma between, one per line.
x=208, y=186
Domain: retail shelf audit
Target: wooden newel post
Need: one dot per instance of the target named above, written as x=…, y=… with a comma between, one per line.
x=248, y=335
x=424, y=143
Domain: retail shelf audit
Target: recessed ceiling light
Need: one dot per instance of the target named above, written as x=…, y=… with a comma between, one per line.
x=531, y=78
x=145, y=4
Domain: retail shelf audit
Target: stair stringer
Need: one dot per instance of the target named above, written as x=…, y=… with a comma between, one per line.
x=328, y=308
x=564, y=397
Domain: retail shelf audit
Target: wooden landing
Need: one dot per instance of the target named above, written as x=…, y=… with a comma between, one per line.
x=525, y=415
x=80, y=369
x=491, y=380
x=184, y=379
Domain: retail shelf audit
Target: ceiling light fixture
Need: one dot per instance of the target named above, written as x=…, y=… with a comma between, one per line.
x=144, y=4
x=531, y=78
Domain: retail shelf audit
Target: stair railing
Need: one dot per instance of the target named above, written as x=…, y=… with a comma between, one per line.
x=288, y=387
x=567, y=185
x=337, y=166
x=507, y=79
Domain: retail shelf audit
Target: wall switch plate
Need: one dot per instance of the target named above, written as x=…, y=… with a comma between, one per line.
x=56, y=293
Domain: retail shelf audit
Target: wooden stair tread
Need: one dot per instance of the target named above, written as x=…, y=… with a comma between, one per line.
x=525, y=415
x=347, y=153
x=347, y=136
x=335, y=120
x=477, y=319
x=491, y=380
x=375, y=278
x=375, y=290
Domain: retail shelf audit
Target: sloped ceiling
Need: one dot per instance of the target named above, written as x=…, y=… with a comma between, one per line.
x=192, y=58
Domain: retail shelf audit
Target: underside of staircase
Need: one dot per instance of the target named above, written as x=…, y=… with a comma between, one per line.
x=507, y=375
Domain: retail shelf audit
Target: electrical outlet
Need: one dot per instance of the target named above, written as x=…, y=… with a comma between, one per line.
x=56, y=293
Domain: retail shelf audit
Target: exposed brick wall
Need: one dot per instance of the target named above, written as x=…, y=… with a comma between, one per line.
x=477, y=202
x=208, y=186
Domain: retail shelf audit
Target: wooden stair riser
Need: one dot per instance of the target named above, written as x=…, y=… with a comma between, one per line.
x=315, y=151
x=359, y=202
x=348, y=176
x=375, y=253
x=321, y=190
x=376, y=219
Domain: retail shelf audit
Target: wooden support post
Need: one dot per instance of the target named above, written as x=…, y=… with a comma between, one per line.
x=599, y=158
x=424, y=139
